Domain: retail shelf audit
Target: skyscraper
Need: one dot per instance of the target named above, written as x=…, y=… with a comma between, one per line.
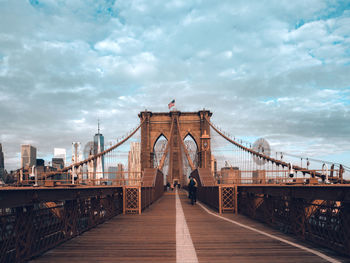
x=112, y=172
x=28, y=155
x=60, y=153
x=134, y=161
x=99, y=147
x=57, y=163
x=116, y=174
x=2, y=165
x=98, y=143
x=120, y=170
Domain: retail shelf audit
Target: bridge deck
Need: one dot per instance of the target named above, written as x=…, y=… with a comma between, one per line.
x=152, y=237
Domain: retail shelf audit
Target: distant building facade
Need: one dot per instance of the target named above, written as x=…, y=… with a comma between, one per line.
x=57, y=163
x=120, y=171
x=60, y=153
x=112, y=172
x=230, y=175
x=116, y=174
x=134, y=161
x=28, y=155
x=40, y=162
x=41, y=168
x=259, y=177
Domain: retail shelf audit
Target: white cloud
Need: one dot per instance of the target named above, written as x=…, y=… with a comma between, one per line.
x=108, y=45
x=192, y=19
x=228, y=73
x=227, y=54
x=279, y=69
x=80, y=121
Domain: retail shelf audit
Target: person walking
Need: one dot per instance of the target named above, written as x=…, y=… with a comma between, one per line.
x=192, y=189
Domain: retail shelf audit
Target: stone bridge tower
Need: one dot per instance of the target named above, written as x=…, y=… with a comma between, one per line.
x=158, y=124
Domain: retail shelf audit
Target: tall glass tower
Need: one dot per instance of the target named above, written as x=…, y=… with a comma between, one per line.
x=99, y=147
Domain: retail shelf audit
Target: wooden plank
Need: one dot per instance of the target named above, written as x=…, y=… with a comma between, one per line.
x=149, y=237
x=216, y=240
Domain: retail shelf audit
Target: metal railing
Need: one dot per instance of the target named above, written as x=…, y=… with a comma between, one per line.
x=223, y=198
x=316, y=213
x=139, y=198
x=35, y=220
x=320, y=214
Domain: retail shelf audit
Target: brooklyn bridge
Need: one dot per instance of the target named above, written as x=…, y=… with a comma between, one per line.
x=261, y=207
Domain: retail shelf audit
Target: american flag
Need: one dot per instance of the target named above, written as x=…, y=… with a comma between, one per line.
x=171, y=104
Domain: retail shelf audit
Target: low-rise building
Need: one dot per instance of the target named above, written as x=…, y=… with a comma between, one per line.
x=230, y=175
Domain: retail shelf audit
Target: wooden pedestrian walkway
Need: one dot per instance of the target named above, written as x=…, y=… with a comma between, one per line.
x=151, y=237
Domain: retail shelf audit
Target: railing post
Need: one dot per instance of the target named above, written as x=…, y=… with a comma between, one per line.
x=236, y=199
x=139, y=191
x=220, y=199
x=35, y=174
x=124, y=200
x=73, y=174
x=345, y=223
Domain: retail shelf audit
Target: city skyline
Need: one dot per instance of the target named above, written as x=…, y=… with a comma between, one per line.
x=278, y=71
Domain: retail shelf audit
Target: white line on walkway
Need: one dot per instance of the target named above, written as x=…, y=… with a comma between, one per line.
x=185, y=251
x=315, y=252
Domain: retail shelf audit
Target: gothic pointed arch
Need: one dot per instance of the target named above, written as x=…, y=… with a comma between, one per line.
x=190, y=136
x=192, y=148
x=160, y=137
x=158, y=149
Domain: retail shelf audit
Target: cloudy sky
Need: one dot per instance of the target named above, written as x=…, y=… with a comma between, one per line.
x=273, y=69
